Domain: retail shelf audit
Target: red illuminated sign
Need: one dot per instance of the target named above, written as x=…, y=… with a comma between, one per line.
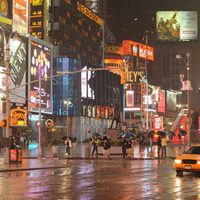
x=158, y=122
x=137, y=49
x=161, y=101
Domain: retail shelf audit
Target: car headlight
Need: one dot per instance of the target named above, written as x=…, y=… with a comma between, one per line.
x=177, y=161
x=198, y=162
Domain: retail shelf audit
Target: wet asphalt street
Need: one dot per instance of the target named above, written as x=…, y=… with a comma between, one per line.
x=101, y=179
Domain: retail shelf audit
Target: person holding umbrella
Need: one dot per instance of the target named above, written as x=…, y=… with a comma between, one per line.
x=95, y=144
x=159, y=145
x=106, y=147
x=164, y=146
x=124, y=146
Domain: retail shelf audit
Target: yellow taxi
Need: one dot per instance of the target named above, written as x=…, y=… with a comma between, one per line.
x=189, y=161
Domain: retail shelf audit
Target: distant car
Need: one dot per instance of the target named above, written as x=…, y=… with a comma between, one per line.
x=189, y=161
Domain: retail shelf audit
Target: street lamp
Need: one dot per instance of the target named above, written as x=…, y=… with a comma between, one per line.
x=187, y=88
x=6, y=45
x=68, y=103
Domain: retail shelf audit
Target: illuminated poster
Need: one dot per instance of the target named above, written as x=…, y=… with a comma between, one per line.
x=176, y=25
x=6, y=11
x=86, y=91
x=40, y=66
x=129, y=98
x=158, y=122
x=161, y=101
x=19, y=117
x=20, y=16
x=18, y=62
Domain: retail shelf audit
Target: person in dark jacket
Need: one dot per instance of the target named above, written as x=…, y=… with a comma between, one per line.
x=159, y=145
x=106, y=147
x=124, y=147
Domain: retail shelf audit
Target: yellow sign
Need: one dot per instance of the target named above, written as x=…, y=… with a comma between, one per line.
x=134, y=76
x=18, y=117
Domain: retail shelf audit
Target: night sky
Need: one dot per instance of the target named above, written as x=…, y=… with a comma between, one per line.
x=132, y=19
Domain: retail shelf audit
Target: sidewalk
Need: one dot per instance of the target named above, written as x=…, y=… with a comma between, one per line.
x=80, y=151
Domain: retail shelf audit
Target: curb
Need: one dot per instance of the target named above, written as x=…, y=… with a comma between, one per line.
x=72, y=158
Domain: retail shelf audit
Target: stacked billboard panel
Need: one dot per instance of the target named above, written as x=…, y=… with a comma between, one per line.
x=176, y=25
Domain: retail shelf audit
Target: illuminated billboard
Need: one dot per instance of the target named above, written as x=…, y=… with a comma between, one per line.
x=37, y=18
x=86, y=91
x=161, y=101
x=171, y=101
x=20, y=16
x=18, y=63
x=40, y=68
x=129, y=98
x=176, y=25
x=137, y=49
x=6, y=12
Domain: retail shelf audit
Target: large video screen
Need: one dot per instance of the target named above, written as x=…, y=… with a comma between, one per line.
x=40, y=68
x=176, y=25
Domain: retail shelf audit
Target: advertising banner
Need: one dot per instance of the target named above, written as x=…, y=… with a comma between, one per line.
x=6, y=11
x=176, y=25
x=40, y=66
x=19, y=117
x=129, y=98
x=161, y=101
x=20, y=16
x=18, y=62
x=158, y=122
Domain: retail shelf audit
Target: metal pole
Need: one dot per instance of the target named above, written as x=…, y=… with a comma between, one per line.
x=67, y=120
x=188, y=100
x=7, y=72
x=7, y=62
x=40, y=150
x=147, y=85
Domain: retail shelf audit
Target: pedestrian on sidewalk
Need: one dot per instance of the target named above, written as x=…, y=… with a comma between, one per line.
x=163, y=147
x=159, y=145
x=124, y=147
x=106, y=147
x=95, y=144
x=68, y=145
x=129, y=149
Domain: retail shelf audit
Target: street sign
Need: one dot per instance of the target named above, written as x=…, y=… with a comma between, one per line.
x=49, y=123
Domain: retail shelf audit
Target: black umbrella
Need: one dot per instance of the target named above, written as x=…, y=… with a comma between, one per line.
x=161, y=133
x=64, y=137
x=98, y=135
x=171, y=133
x=151, y=133
x=130, y=135
x=182, y=132
x=105, y=137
